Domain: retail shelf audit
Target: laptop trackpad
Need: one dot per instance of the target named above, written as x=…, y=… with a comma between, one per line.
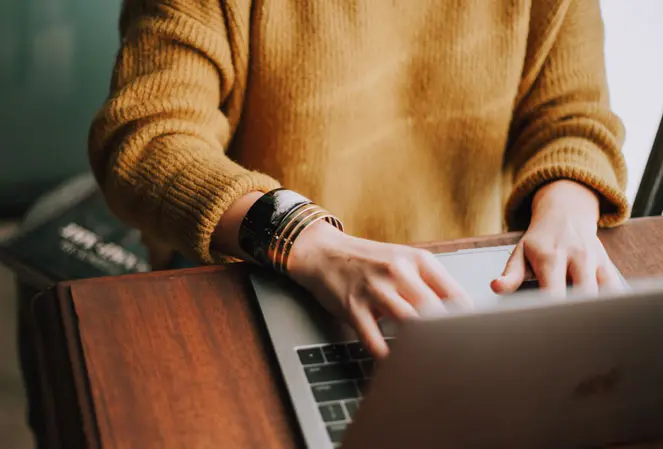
x=475, y=270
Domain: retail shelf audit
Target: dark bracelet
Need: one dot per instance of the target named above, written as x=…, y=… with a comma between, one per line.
x=291, y=228
x=263, y=219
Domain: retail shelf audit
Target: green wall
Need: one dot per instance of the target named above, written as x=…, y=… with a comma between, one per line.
x=56, y=58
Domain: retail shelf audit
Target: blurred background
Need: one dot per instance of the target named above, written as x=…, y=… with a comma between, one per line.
x=55, y=63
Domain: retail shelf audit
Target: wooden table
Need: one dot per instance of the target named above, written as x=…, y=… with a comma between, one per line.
x=179, y=359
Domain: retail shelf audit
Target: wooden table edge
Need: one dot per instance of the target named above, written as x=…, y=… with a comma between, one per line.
x=483, y=241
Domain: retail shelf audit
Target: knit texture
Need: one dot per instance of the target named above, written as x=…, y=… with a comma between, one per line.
x=411, y=121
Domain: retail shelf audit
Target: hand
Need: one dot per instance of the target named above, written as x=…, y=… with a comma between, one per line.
x=561, y=244
x=361, y=280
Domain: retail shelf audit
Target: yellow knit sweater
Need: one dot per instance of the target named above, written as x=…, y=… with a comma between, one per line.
x=410, y=120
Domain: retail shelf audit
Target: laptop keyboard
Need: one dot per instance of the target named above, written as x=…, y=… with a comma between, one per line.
x=337, y=375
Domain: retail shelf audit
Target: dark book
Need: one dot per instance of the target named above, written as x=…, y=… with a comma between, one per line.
x=72, y=234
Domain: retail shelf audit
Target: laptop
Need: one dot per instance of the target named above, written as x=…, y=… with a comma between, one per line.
x=331, y=379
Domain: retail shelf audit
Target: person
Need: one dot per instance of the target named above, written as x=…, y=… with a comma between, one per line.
x=407, y=121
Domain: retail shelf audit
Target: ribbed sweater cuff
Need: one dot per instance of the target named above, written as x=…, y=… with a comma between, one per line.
x=575, y=160
x=197, y=198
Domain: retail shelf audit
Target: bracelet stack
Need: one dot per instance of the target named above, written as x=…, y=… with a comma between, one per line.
x=274, y=223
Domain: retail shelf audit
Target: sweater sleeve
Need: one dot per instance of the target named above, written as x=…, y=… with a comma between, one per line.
x=563, y=127
x=157, y=145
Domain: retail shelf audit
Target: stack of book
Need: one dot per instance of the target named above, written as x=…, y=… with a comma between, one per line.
x=71, y=234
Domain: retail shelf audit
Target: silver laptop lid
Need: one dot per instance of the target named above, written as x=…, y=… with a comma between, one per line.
x=539, y=373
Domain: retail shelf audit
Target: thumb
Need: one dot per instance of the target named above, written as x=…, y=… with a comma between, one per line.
x=514, y=273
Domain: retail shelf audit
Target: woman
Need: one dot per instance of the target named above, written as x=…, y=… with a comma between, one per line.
x=408, y=121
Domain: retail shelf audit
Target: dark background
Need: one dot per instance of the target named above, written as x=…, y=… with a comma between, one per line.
x=55, y=65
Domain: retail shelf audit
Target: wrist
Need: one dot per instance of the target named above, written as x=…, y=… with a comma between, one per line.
x=225, y=237
x=312, y=248
x=566, y=197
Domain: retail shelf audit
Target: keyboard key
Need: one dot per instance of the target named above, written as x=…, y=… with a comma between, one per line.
x=335, y=392
x=351, y=407
x=335, y=353
x=332, y=412
x=310, y=356
x=357, y=351
x=336, y=371
x=367, y=366
x=336, y=432
x=529, y=284
x=362, y=384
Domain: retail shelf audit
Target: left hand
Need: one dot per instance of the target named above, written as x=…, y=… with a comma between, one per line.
x=561, y=244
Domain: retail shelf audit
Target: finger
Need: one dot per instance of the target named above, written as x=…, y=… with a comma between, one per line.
x=418, y=293
x=410, y=286
x=583, y=273
x=514, y=272
x=391, y=304
x=607, y=276
x=369, y=332
x=442, y=283
x=550, y=271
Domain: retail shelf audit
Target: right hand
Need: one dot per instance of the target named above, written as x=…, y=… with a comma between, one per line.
x=361, y=280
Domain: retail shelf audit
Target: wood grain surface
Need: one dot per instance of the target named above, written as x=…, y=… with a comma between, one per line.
x=180, y=359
